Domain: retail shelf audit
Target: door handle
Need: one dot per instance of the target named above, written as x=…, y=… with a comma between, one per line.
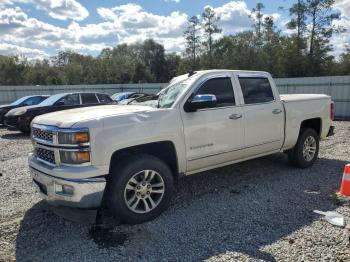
x=276, y=111
x=235, y=116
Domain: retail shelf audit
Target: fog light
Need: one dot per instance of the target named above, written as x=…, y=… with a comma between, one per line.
x=69, y=190
x=64, y=190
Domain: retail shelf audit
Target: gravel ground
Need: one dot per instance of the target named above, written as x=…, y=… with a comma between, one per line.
x=259, y=210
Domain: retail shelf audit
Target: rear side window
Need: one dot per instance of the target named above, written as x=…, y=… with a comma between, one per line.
x=70, y=100
x=256, y=90
x=221, y=88
x=104, y=98
x=89, y=99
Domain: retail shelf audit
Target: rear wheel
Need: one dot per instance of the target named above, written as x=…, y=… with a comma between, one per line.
x=139, y=189
x=305, y=152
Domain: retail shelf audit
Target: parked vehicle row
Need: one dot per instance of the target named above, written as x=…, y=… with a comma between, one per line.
x=19, y=114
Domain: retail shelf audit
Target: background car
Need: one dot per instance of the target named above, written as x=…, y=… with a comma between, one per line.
x=118, y=97
x=145, y=100
x=23, y=101
x=20, y=118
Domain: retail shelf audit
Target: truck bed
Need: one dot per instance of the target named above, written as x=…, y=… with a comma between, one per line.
x=302, y=97
x=299, y=107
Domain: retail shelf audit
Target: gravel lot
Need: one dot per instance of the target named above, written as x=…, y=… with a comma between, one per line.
x=260, y=210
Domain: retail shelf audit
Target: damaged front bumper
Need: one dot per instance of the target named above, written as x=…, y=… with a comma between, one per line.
x=83, y=193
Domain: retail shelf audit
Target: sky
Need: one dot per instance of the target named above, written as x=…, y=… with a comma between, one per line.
x=42, y=28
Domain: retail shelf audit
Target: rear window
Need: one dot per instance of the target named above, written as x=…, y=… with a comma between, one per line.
x=256, y=90
x=89, y=99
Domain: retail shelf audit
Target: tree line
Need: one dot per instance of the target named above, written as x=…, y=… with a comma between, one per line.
x=306, y=51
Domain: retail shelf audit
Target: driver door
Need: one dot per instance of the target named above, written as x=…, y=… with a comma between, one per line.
x=214, y=136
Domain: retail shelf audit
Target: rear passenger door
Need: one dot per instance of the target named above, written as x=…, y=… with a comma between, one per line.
x=263, y=115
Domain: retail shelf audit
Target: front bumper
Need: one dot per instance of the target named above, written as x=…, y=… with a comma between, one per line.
x=84, y=193
x=11, y=122
x=17, y=122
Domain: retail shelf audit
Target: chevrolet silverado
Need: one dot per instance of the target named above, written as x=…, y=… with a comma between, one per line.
x=129, y=156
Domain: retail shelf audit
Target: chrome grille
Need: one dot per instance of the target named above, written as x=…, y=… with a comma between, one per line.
x=42, y=134
x=45, y=155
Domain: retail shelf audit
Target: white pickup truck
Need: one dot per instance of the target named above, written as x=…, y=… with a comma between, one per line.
x=128, y=156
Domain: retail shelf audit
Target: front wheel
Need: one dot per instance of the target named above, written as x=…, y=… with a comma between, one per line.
x=139, y=189
x=305, y=152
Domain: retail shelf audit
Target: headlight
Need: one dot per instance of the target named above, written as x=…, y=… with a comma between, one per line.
x=74, y=157
x=17, y=112
x=73, y=138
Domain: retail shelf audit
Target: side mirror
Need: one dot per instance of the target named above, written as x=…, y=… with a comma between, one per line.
x=200, y=102
x=59, y=103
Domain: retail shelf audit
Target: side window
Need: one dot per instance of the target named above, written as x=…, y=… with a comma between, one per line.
x=70, y=100
x=104, y=98
x=32, y=101
x=256, y=90
x=89, y=99
x=221, y=88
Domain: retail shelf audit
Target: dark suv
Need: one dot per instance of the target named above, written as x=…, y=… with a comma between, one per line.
x=24, y=101
x=20, y=118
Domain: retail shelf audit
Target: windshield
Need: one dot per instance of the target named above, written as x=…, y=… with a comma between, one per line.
x=168, y=96
x=19, y=101
x=51, y=100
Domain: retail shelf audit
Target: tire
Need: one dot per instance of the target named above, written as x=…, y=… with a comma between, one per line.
x=24, y=130
x=306, y=159
x=121, y=189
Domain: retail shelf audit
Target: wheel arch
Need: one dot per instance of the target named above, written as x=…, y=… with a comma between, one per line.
x=164, y=150
x=313, y=123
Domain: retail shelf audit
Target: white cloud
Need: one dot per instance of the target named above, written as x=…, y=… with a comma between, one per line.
x=58, y=9
x=341, y=41
x=134, y=24
x=31, y=53
x=175, y=1
x=129, y=23
x=343, y=6
x=18, y=29
x=123, y=24
x=234, y=16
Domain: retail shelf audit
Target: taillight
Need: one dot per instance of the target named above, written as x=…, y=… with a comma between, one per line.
x=332, y=110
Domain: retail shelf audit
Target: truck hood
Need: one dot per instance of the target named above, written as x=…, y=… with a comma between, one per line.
x=67, y=118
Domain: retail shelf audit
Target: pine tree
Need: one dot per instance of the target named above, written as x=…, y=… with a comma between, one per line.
x=210, y=27
x=192, y=39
